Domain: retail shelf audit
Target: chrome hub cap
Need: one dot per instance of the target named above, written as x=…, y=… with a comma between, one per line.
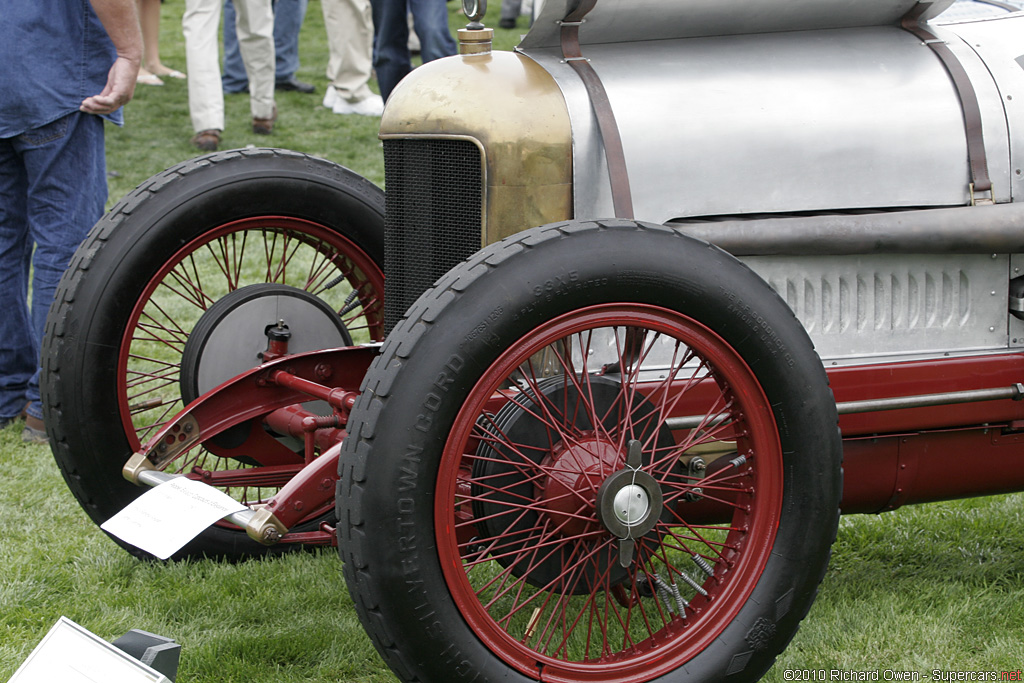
x=629, y=503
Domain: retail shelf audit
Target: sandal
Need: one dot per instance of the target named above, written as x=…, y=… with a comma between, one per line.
x=168, y=72
x=148, y=79
x=34, y=431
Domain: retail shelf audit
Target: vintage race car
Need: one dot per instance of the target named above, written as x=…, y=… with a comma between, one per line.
x=666, y=288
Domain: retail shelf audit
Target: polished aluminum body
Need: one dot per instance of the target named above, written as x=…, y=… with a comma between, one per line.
x=733, y=110
x=851, y=112
x=752, y=109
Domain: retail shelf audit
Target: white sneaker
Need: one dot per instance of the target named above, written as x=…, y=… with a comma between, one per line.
x=371, y=106
x=330, y=97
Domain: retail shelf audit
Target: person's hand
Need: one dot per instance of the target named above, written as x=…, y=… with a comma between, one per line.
x=118, y=91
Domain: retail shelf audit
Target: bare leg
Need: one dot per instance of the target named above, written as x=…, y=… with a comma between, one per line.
x=149, y=19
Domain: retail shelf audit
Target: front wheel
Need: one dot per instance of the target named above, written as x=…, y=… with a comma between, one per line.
x=597, y=451
x=170, y=296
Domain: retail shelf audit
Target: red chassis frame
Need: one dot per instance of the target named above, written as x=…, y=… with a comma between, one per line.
x=892, y=457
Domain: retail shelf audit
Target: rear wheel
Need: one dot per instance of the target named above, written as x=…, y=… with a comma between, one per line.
x=171, y=294
x=598, y=464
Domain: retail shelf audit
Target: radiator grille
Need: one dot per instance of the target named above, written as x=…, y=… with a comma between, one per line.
x=434, y=195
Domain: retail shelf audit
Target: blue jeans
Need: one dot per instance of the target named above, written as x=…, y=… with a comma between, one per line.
x=391, y=58
x=510, y=9
x=53, y=186
x=288, y=18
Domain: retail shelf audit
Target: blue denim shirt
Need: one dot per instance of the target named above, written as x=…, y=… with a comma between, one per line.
x=53, y=54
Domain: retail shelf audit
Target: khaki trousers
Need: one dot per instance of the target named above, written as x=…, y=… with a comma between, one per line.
x=350, y=41
x=200, y=25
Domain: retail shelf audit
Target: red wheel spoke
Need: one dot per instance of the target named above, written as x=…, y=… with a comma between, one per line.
x=719, y=480
x=726, y=479
x=372, y=307
x=320, y=271
x=154, y=424
x=262, y=477
x=590, y=605
x=526, y=504
x=554, y=422
x=151, y=335
x=190, y=275
x=492, y=434
x=715, y=546
x=573, y=565
x=669, y=531
x=289, y=248
x=163, y=381
x=516, y=540
x=630, y=363
x=222, y=260
x=541, y=580
x=138, y=398
x=188, y=287
x=172, y=335
x=269, y=250
x=231, y=257
x=166, y=374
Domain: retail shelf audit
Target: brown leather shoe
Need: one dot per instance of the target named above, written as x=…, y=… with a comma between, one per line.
x=207, y=140
x=264, y=126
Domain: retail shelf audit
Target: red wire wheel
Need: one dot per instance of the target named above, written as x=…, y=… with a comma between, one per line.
x=595, y=451
x=593, y=619
x=259, y=249
x=170, y=295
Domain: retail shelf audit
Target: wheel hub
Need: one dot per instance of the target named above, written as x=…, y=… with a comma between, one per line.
x=575, y=486
x=575, y=475
x=230, y=337
x=630, y=501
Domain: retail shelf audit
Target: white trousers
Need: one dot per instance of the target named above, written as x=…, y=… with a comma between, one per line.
x=349, y=27
x=201, y=24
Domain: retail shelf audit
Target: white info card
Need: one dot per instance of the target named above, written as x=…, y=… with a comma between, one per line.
x=162, y=520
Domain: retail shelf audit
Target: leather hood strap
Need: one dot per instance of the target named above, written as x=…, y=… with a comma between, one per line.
x=622, y=199
x=968, y=97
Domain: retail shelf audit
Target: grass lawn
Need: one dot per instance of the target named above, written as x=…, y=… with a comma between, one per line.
x=939, y=586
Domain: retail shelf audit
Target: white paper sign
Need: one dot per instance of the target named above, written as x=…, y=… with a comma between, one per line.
x=71, y=654
x=168, y=516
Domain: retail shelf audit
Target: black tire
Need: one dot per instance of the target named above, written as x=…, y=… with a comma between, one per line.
x=423, y=510
x=142, y=278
